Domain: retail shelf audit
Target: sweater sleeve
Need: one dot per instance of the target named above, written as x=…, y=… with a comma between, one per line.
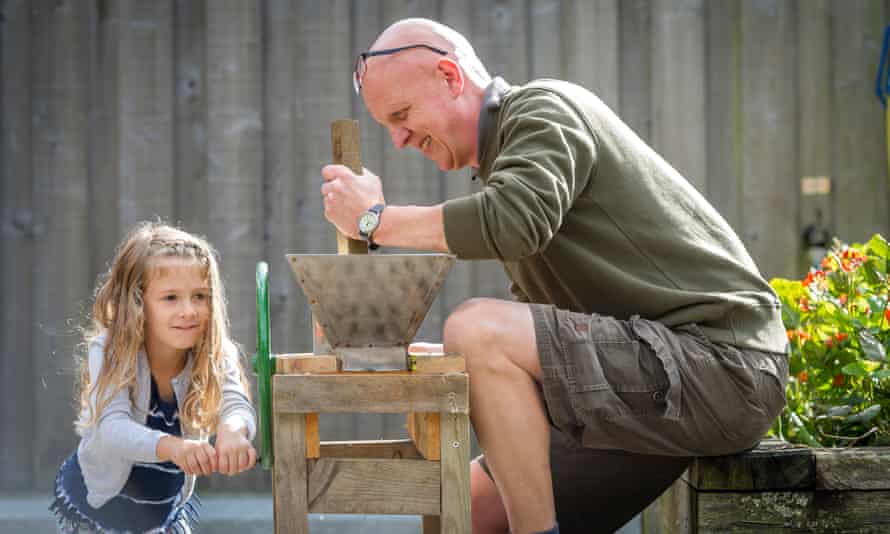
x=547, y=155
x=117, y=433
x=235, y=402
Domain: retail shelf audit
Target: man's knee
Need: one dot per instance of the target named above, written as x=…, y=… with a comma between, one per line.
x=472, y=324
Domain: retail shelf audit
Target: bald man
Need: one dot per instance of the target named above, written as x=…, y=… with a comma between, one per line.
x=642, y=333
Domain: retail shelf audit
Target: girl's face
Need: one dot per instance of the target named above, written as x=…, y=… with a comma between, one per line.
x=176, y=305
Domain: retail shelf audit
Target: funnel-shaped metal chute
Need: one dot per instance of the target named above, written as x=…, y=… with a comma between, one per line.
x=370, y=306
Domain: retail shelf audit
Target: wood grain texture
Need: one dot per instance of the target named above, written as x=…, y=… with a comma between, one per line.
x=424, y=431
x=455, y=464
x=370, y=393
x=17, y=244
x=373, y=486
x=394, y=449
x=290, y=473
x=305, y=363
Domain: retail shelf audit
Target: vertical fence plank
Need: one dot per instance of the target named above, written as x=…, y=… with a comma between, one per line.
x=724, y=117
x=769, y=136
x=860, y=159
x=635, y=66
x=281, y=193
x=105, y=178
x=62, y=252
x=17, y=238
x=590, y=47
x=235, y=160
x=814, y=97
x=191, y=198
x=146, y=112
x=678, y=87
x=500, y=34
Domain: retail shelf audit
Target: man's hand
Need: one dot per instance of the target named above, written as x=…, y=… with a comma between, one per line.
x=194, y=457
x=234, y=452
x=347, y=195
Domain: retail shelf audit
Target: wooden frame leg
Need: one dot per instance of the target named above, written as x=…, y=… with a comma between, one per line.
x=454, y=432
x=289, y=477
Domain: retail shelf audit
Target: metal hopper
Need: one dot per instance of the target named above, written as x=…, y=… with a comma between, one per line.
x=370, y=306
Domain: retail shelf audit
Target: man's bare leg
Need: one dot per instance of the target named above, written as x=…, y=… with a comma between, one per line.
x=489, y=515
x=506, y=405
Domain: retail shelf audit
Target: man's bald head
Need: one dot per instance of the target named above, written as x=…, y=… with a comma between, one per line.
x=424, y=31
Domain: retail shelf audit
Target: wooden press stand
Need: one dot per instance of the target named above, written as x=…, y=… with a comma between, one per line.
x=427, y=475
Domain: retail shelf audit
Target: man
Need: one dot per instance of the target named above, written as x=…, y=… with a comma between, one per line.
x=642, y=334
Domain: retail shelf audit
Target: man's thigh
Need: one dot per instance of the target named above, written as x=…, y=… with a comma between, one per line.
x=641, y=387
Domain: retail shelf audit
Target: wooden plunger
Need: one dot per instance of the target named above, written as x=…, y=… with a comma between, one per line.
x=346, y=145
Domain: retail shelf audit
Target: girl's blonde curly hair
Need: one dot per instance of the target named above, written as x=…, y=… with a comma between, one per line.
x=118, y=312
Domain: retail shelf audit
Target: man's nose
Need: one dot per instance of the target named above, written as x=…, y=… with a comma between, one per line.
x=399, y=136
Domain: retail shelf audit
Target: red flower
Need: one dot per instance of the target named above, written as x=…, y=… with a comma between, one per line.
x=804, y=304
x=841, y=336
x=838, y=380
x=802, y=376
x=829, y=342
x=843, y=299
x=827, y=264
x=887, y=314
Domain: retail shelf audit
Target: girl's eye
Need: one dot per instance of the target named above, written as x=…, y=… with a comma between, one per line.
x=170, y=297
x=201, y=296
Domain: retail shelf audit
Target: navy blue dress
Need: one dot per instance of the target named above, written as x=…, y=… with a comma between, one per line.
x=148, y=502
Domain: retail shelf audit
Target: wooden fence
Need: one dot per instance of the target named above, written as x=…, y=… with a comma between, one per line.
x=216, y=113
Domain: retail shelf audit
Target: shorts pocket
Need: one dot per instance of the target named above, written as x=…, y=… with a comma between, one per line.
x=617, y=374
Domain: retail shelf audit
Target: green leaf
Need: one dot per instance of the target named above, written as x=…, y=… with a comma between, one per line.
x=879, y=246
x=865, y=415
x=871, y=347
x=880, y=375
x=854, y=369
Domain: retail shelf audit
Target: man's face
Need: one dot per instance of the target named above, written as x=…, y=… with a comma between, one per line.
x=415, y=102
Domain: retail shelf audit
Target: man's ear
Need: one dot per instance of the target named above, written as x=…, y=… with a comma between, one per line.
x=451, y=72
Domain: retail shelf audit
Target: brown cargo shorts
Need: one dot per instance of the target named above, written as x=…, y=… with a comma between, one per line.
x=641, y=387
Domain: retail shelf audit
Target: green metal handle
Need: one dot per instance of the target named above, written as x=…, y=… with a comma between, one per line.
x=263, y=365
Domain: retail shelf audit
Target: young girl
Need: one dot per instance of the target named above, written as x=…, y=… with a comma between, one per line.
x=161, y=375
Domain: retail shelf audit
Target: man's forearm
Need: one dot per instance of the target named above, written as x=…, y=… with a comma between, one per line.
x=417, y=227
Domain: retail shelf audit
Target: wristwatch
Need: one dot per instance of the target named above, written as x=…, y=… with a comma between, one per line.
x=368, y=223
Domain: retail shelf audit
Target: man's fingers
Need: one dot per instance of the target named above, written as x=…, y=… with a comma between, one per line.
x=251, y=453
x=332, y=172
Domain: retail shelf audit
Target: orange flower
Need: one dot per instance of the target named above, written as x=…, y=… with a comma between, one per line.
x=851, y=259
x=841, y=337
x=887, y=314
x=802, y=376
x=792, y=334
x=802, y=335
x=804, y=304
x=827, y=263
x=843, y=299
x=838, y=380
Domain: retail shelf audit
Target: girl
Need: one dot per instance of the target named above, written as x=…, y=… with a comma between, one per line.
x=160, y=376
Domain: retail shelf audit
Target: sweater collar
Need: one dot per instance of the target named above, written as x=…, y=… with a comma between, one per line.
x=491, y=105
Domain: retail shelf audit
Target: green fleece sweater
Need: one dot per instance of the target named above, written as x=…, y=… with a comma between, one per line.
x=586, y=216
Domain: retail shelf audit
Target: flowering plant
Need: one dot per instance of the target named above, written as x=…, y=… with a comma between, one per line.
x=838, y=325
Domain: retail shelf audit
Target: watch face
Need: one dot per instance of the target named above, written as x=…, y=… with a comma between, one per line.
x=367, y=223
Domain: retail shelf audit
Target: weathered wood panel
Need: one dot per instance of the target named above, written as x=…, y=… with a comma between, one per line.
x=725, y=159
x=678, y=87
x=859, y=159
x=454, y=439
x=768, y=134
x=234, y=66
x=61, y=258
x=373, y=486
x=19, y=233
x=374, y=392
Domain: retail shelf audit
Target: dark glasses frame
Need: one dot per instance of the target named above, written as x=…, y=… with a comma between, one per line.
x=361, y=62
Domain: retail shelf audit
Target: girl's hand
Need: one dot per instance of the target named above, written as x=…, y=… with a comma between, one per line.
x=234, y=453
x=194, y=457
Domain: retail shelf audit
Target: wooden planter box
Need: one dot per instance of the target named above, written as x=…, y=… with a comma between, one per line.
x=778, y=487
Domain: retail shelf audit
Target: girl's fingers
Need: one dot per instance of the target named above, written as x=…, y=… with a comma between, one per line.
x=224, y=463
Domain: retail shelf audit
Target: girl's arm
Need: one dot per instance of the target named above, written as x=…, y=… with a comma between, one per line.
x=236, y=412
x=116, y=432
